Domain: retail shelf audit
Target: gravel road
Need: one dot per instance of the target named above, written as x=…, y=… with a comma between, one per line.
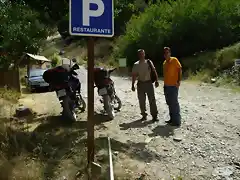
x=206, y=147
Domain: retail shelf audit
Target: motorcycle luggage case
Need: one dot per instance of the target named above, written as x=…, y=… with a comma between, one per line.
x=99, y=75
x=56, y=75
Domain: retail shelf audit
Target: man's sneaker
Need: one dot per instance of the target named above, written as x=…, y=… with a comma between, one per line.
x=174, y=125
x=144, y=118
x=155, y=119
x=169, y=121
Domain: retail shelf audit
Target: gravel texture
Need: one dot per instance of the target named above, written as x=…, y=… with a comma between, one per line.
x=206, y=147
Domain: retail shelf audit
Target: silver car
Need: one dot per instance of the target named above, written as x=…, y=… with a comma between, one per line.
x=35, y=79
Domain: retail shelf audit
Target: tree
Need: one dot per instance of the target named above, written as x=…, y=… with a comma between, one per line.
x=20, y=31
x=186, y=26
x=50, y=11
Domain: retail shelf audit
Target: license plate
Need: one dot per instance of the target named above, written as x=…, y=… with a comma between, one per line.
x=102, y=91
x=61, y=93
x=44, y=84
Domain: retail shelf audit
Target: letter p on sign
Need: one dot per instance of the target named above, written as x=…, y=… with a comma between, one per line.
x=87, y=12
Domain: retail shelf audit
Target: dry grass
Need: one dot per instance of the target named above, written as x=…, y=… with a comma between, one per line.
x=9, y=95
x=45, y=153
x=78, y=50
x=51, y=152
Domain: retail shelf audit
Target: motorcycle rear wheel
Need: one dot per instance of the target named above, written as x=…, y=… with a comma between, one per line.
x=68, y=111
x=117, y=101
x=108, y=106
x=82, y=104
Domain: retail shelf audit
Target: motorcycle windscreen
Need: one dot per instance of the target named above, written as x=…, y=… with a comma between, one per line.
x=67, y=63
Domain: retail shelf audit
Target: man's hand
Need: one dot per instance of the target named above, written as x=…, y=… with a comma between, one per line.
x=133, y=88
x=178, y=84
x=156, y=84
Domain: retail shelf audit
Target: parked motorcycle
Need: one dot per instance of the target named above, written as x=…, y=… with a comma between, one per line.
x=65, y=83
x=106, y=89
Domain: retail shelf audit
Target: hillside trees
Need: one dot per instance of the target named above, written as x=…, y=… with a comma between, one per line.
x=186, y=26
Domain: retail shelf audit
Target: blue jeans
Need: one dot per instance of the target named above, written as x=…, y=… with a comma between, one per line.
x=171, y=96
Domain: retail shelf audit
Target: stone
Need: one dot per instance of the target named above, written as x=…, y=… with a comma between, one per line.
x=116, y=153
x=177, y=138
x=225, y=171
x=213, y=80
x=148, y=140
x=23, y=112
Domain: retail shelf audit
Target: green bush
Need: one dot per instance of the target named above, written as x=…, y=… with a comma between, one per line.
x=55, y=59
x=186, y=26
x=20, y=31
x=219, y=65
x=217, y=61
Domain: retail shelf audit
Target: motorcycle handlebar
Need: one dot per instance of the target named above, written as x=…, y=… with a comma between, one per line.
x=110, y=71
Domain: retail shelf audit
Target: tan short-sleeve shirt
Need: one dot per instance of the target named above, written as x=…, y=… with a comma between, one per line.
x=142, y=70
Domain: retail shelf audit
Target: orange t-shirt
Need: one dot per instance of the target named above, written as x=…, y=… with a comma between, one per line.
x=171, y=71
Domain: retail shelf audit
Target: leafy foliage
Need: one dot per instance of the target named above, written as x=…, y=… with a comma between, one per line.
x=20, y=31
x=55, y=59
x=184, y=25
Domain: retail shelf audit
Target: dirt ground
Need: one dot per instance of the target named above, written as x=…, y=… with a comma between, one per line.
x=209, y=144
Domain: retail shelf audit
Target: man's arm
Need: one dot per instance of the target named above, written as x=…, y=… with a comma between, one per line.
x=179, y=75
x=154, y=69
x=133, y=79
x=134, y=75
x=179, y=67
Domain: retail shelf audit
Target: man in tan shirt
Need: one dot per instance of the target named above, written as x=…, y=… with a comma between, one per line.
x=142, y=72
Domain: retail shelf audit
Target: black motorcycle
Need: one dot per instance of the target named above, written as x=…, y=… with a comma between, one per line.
x=106, y=89
x=68, y=89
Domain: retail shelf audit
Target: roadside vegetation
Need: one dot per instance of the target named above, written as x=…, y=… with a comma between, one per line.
x=9, y=95
x=215, y=67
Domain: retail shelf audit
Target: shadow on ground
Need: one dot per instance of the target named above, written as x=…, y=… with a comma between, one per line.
x=25, y=90
x=135, y=124
x=50, y=143
x=53, y=142
x=162, y=130
x=100, y=118
x=131, y=149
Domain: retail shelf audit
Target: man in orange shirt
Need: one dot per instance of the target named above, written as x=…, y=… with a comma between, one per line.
x=172, y=73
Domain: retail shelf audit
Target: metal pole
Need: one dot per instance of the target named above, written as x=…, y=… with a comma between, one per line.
x=111, y=174
x=90, y=122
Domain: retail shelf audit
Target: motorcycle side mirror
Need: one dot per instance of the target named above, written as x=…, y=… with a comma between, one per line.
x=110, y=71
x=75, y=67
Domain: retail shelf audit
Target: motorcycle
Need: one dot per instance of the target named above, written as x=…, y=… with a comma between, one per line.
x=107, y=91
x=67, y=86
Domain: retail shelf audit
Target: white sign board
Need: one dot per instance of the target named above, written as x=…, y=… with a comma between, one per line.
x=237, y=62
x=122, y=62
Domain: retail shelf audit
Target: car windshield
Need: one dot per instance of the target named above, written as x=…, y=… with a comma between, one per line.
x=36, y=73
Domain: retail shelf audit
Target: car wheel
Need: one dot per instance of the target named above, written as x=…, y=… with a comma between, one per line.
x=49, y=89
x=32, y=90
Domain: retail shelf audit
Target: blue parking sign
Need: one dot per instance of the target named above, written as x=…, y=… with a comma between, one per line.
x=91, y=18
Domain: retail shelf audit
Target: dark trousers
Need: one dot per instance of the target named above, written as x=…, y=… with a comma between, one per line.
x=143, y=89
x=171, y=96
